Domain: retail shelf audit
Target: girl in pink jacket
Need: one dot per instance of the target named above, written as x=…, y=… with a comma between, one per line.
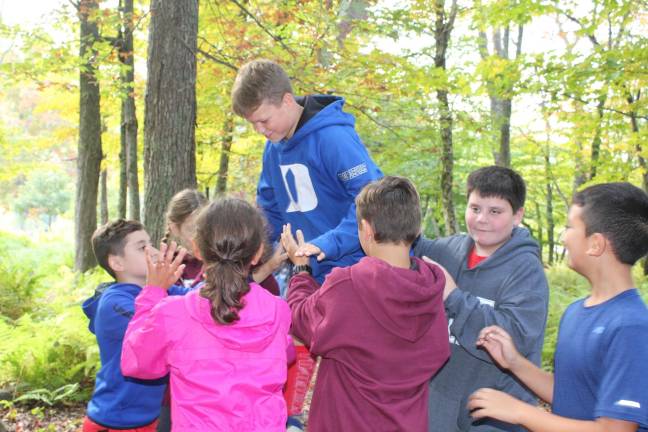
x=225, y=345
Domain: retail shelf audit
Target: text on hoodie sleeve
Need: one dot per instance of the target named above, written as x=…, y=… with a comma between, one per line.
x=347, y=160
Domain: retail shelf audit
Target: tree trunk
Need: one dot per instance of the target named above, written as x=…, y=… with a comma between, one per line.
x=89, y=147
x=550, y=219
x=103, y=197
x=596, y=141
x=123, y=172
x=442, y=31
x=540, y=237
x=226, y=146
x=501, y=103
x=128, y=114
x=170, y=111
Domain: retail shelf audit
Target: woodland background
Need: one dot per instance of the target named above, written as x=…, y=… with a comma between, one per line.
x=107, y=108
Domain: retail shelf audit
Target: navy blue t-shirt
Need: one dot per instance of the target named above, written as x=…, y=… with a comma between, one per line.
x=601, y=363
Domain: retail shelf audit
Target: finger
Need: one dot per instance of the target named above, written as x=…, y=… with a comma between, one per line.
x=178, y=273
x=479, y=413
x=488, y=330
x=149, y=259
x=300, y=237
x=163, y=249
x=283, y=256
x=179, y=258
x=321, y=256
x=170, y=253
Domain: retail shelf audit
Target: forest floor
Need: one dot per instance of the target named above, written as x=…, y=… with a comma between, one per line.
x=65, y=418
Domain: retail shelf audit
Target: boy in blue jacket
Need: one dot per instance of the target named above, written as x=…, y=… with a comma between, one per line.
x=118, y=402
x=314, y=164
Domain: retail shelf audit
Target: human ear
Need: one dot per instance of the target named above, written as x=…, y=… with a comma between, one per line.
x=518, y=215
x=116, y=263
x=257, y=255
x=596, y=244
x=288, y=99
x=366, y=230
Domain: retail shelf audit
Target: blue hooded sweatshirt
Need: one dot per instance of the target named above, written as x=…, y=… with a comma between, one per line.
x=311, y=180
x=119, y=402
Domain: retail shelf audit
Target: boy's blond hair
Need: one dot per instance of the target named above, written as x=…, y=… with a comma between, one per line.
x=257, y=82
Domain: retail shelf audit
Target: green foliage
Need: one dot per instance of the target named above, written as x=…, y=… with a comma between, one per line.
x=49, y=397
x=48, y=349
x=46, y=193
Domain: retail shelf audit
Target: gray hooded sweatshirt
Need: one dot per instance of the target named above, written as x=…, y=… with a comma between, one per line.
x=508, y=289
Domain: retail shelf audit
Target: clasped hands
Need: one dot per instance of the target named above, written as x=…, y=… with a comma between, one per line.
x=297, y=249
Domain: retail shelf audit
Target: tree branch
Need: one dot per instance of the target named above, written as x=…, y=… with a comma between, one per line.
x=645, y=117
x=216, y=60
x=268, y=32
x=591, y=37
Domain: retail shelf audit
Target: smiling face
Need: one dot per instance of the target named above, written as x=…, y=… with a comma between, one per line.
x=275, y=121
x=490, y=222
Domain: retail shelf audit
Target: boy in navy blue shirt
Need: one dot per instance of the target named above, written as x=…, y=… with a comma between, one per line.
x=314, y=164
x=118, y=402
x=599, y=381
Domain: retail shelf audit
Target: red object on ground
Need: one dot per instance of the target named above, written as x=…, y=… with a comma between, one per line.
x=90, y=426
x=299, y=377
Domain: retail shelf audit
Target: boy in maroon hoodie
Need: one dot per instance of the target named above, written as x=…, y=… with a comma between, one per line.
x=379, y=325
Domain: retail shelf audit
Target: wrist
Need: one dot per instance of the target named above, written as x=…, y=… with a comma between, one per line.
x=302, y=268
x=300, y=260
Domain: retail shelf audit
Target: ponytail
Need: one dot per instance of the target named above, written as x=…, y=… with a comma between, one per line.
x=225, y=285
x=229, y=233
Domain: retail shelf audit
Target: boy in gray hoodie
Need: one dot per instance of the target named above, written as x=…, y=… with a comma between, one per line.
x=500, y=281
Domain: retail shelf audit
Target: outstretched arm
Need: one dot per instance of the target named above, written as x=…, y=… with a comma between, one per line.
x=499, y=344
x=501, y=406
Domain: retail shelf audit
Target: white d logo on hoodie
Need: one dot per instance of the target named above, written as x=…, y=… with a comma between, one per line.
x=299, y=188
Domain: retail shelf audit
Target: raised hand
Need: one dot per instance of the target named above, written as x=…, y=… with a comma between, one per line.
x=499, y=345
x=293, y=246
x=309, y=249
x=164, y=270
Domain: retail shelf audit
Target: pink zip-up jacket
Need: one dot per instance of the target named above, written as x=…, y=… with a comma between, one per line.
x=222, y=377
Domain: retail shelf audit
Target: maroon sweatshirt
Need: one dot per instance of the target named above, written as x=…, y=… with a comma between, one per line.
x=382, y=334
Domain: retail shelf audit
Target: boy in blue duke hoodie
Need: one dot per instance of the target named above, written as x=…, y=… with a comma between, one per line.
x=118, y=402
x=314, y=164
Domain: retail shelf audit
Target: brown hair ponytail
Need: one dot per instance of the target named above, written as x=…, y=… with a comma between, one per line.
x=229, y=233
